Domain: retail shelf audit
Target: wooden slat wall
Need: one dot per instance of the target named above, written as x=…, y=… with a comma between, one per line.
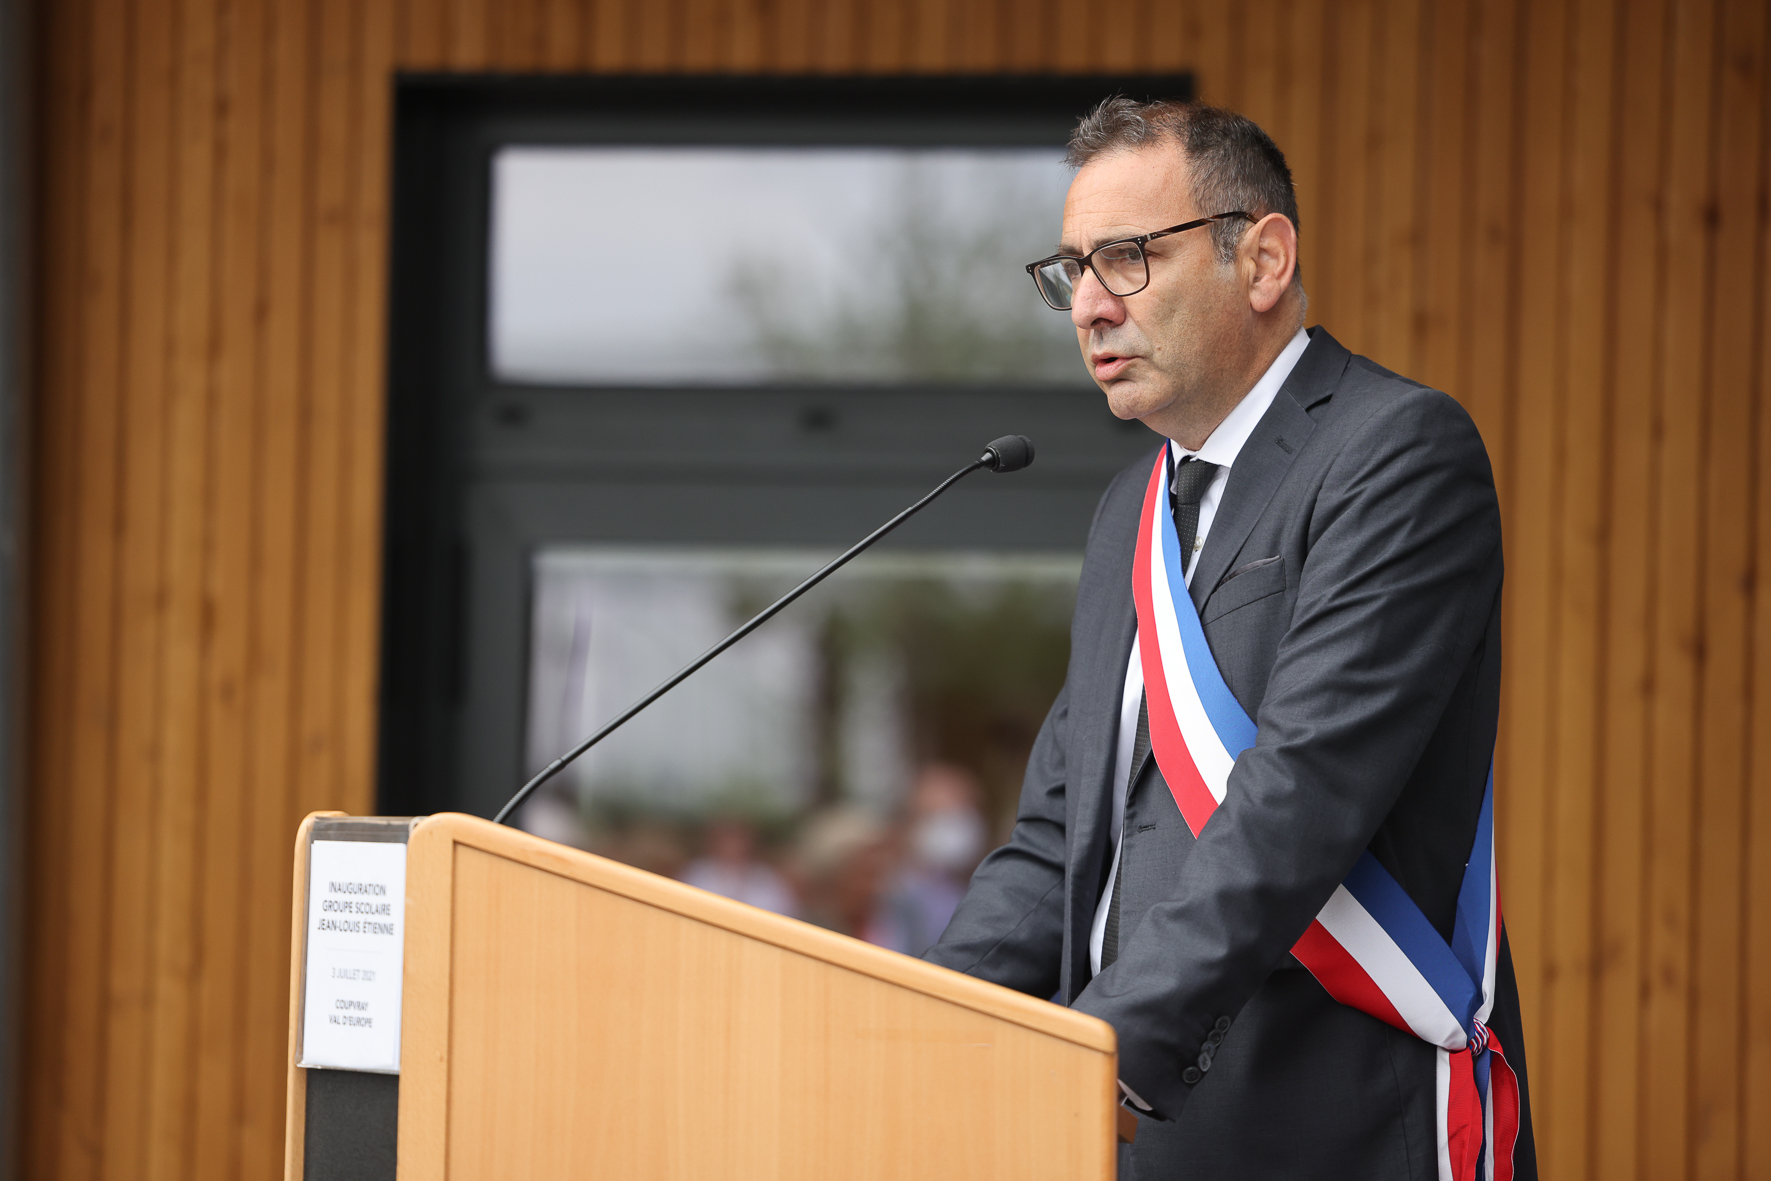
x=1556, y=210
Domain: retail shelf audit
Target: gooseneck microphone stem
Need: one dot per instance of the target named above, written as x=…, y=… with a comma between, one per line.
x=1007, y=454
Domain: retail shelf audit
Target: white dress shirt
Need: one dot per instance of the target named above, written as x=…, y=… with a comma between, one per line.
x=1221, y=448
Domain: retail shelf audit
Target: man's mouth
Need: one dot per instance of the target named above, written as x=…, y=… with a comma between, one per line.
x=1107, y=366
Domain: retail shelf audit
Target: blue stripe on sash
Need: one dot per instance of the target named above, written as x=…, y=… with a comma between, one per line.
x=1235, y=729
x=1470, y=939
x=1387, y=902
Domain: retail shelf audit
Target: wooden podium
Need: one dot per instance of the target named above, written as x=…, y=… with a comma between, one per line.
x=567, y=1016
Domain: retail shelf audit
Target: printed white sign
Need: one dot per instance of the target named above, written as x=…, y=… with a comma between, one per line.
x=356, y=940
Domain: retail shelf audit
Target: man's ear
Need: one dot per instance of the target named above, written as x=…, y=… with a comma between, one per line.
x=1272, y=253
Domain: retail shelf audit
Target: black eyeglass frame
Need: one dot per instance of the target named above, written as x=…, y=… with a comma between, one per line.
x=1140, y=241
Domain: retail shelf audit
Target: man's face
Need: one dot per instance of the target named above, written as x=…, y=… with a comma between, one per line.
x=1159, y=355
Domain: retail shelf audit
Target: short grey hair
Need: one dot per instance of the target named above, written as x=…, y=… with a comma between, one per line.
x=1235, y=165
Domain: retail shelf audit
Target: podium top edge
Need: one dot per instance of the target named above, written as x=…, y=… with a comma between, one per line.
x=1032, y=1013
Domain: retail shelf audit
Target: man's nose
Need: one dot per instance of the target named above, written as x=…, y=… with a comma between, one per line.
x=1093, y=304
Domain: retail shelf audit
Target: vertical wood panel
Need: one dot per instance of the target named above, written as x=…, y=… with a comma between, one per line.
x=1755, y=1043
x=278, y=383
x=1077, y=28
x=143, y=595
x=76, y=719
x=222, y=1067
x=330, y=313
x=561, y=33
x=701, y=41
x=469, y=24
x=1029, y=24
x=1619, y=1050
x=1490, y=277
x=1262, y=63
x=362, y=416
x=182, y=863
x=1346, y=196
x=1567, y=918
x=1205, y=48
x=1392, y=213
x=1532, y=497
x=794, y=36
x=1303, y=122
x=423, y=34
x=1667, y=1013
x=516, y=35
x=1732, y=224
x=751, y=38
x=608, y=37
x=1167, y=44
x=1569, y=921
x=1541, y=207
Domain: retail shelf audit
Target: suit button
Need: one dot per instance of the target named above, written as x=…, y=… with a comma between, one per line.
x=1204, y=1061
x=1191, y=1075
x=1214, y=1039
x=1223, y=1025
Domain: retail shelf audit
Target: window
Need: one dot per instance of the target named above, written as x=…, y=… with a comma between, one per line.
x=671, y=266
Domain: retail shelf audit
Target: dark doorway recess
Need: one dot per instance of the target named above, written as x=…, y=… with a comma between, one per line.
x=480, y=472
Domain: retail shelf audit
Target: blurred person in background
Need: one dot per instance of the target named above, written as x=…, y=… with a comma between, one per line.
x=730, y=867
x=944, y=838
x=842, y=861
x=652, y=843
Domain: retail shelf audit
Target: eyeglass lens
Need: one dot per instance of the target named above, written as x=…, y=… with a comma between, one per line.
x=1120, y=266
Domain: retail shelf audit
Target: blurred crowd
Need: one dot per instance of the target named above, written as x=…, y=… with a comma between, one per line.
x=891, y=880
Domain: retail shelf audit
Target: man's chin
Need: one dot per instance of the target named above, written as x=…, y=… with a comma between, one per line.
x=1126, y=401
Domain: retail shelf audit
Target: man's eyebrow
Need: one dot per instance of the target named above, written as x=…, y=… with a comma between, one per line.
x=1097, y=243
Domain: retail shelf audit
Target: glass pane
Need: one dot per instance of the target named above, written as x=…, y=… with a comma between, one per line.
x=849, y=762
x=741, y=266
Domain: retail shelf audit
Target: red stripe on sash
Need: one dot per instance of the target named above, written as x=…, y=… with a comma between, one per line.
x=1503, y=1097
x=1185, y=783
x=1343, y=976
x=1464, y=1118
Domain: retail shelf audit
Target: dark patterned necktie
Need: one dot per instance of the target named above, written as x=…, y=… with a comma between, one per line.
x=1192, y=478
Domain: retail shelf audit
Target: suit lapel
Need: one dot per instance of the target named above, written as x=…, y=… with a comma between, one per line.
x=1261, y=465
x=1094, y=726
x=1095, y=693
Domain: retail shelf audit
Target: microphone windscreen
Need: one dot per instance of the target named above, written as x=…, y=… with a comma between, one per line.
x=1010, y=453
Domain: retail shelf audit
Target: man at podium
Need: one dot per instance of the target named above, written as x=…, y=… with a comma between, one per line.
x=1256, y=829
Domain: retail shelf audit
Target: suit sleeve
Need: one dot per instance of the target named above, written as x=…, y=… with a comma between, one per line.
x=1401, y=570
x=1009, y=928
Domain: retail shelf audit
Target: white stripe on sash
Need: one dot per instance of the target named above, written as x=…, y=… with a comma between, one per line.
x=1209, y=755
x=1389, y=967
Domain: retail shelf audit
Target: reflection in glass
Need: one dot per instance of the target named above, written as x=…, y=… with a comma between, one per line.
x=849, y=762
x=739, y=266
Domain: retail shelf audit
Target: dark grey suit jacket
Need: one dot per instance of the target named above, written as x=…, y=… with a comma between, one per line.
x=1350, y=592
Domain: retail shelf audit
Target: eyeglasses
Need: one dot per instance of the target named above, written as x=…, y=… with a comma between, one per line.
x=1122, y=266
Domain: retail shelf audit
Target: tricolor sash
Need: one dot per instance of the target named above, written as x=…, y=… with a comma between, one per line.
x=1370, y=947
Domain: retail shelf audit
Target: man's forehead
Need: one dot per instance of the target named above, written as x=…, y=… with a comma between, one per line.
x=1125, y=193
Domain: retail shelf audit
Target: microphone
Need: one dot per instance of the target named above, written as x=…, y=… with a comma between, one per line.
x=1010, y=453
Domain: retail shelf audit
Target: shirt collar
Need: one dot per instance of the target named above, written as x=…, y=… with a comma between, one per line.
x=1224, y=444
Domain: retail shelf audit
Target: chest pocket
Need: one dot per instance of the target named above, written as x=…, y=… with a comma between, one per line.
x=1247, y=584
